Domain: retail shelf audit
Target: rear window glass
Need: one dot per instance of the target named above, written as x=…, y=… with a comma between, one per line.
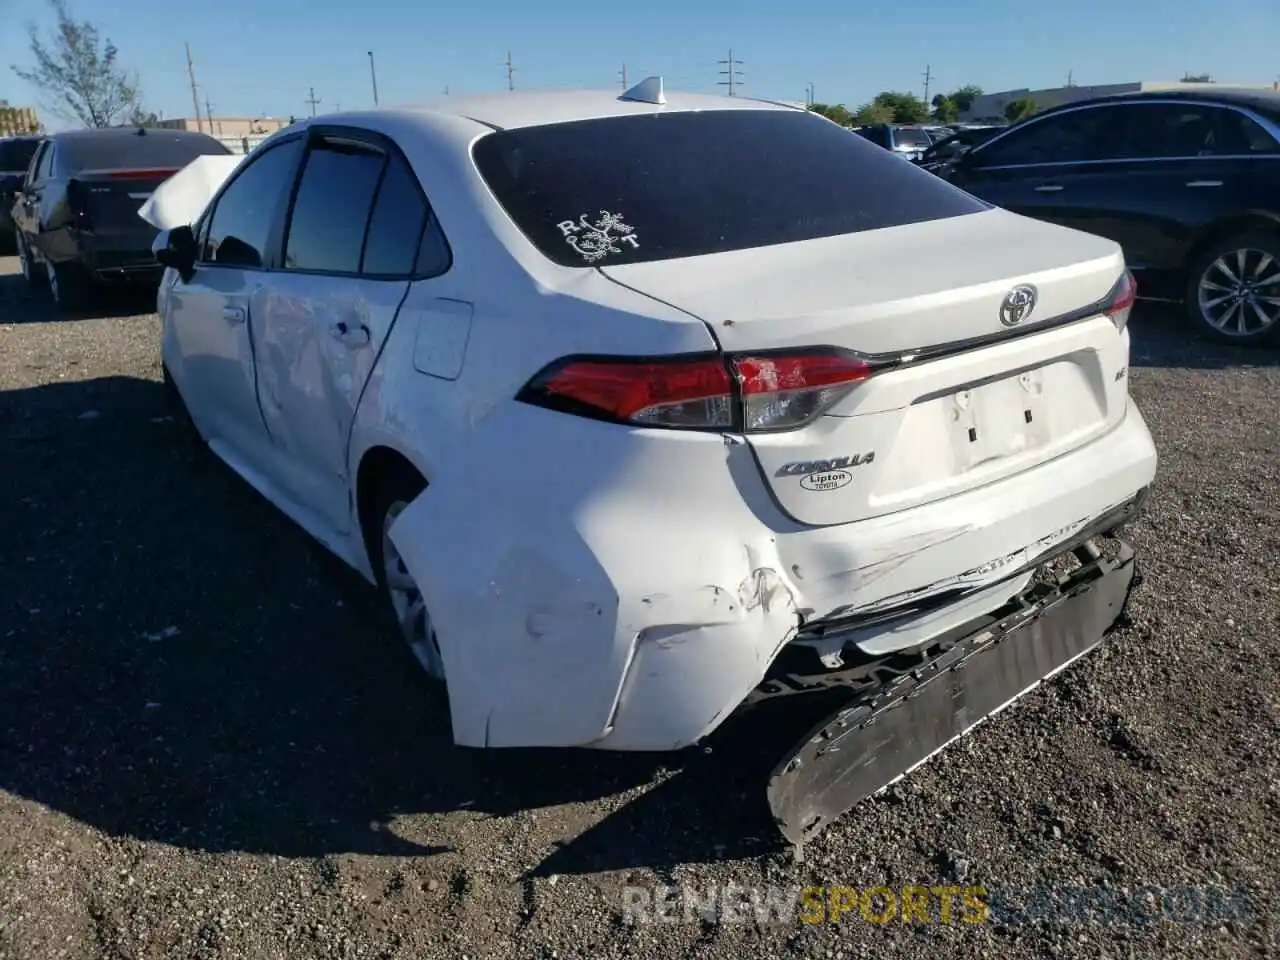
x=911, y=137
x=17, y=154
x=658, y=186
x=156, y=148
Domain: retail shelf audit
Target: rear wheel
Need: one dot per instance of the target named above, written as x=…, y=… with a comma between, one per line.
x=69, y=285
x=1233, y=292
x=30, y=270
x=395, y=490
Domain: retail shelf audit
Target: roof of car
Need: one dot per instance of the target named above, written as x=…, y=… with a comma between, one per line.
x=104, y=133
x=1265, y=101
x=538, y=107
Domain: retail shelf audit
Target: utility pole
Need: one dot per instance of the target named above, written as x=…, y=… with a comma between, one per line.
x=1070, y=78
x=446, y=89
x=195, y=97
x=733, y=73
x=208, y=113
x=927, y=78
x=312, y=100
x=809, y=98
x=373, y=76
x=624, y=76
x=511, y=72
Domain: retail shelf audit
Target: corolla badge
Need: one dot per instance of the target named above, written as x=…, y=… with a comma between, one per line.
x=1018, y=304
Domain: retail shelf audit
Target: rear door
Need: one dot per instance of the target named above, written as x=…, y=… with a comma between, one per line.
x=351, y=251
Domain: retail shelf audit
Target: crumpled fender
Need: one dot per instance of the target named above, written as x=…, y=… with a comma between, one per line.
x=570, y=611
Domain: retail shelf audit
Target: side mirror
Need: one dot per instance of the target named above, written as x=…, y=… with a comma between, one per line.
x=179, y=252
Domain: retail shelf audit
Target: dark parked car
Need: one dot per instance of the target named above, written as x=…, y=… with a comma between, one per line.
x=15, y=157
x=1188, y=182
x=77, y=211
x=908, y=140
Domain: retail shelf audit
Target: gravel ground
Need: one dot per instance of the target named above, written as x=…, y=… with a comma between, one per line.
x=207, y=751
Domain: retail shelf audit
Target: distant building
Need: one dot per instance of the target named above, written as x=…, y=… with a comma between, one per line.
x=15, y=121
x=226, y=127
x=990, y=106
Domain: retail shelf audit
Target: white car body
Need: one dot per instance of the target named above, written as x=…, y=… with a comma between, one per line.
x=624, y=586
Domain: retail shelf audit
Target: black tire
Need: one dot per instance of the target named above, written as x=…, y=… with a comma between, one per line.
x=1256, y=245
x=398, y=484
x=70, y=285
x=32, y=272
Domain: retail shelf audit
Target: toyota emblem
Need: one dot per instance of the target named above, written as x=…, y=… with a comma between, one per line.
x=1018, y=304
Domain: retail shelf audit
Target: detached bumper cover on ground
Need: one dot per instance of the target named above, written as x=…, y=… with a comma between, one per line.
x=905, y=711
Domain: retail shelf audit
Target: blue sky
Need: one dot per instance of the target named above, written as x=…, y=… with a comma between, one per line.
x=256, y=57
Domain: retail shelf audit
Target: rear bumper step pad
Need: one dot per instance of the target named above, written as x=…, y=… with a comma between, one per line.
x=884, y=733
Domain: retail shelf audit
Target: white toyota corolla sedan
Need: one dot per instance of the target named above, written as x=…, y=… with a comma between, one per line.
x=618, y=399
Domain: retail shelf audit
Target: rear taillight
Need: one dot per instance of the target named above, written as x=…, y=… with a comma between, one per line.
x=747, y=393
x=78, y=203
x=1121, y=299
x=150, y=173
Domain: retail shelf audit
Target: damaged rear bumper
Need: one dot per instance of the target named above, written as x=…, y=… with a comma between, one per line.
x=635, y=593
x=905, y=712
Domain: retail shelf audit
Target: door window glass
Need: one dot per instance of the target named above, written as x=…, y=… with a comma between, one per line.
x=243, y=221
x=1072, y=137
x=396, y=227
x=331, y=212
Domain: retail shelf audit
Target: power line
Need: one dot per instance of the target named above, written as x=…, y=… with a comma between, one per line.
x=732, y=73
x=195, y=97
x=312, y=100
x=928, y=76
x=511, y=71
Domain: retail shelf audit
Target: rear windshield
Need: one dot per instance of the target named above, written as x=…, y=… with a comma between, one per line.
x=164, y=149
x=16, y=154
x=659, y=186
x=911, y=137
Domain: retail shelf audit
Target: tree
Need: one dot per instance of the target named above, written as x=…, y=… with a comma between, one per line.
x=837, y=113
x=139, y=117
x=945, y=109
x=963, y=98
x=77, y=72
x=1020, y=109
x=906, y=107
x=872, y=113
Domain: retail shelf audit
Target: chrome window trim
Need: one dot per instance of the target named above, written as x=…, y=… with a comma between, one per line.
x=1270, y=127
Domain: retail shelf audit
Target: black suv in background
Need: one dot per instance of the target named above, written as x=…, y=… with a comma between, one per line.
x=1187, y=182
x=15, y=157
x=76, y=213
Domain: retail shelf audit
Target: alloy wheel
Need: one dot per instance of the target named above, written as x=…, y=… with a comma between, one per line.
x=407, y=601
x=1239, y=293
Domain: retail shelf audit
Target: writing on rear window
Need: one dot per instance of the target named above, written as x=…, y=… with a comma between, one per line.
x=595, y=240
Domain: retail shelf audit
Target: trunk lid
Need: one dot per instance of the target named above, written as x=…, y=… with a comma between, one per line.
x=991, y=404
x=111, y=198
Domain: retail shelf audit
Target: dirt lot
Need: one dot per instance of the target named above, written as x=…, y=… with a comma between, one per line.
x=206, y=751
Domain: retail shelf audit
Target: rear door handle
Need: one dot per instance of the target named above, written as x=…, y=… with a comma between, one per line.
x=352, y=336
x=233, y=314
x=1204, y=183
x=1048, y=188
